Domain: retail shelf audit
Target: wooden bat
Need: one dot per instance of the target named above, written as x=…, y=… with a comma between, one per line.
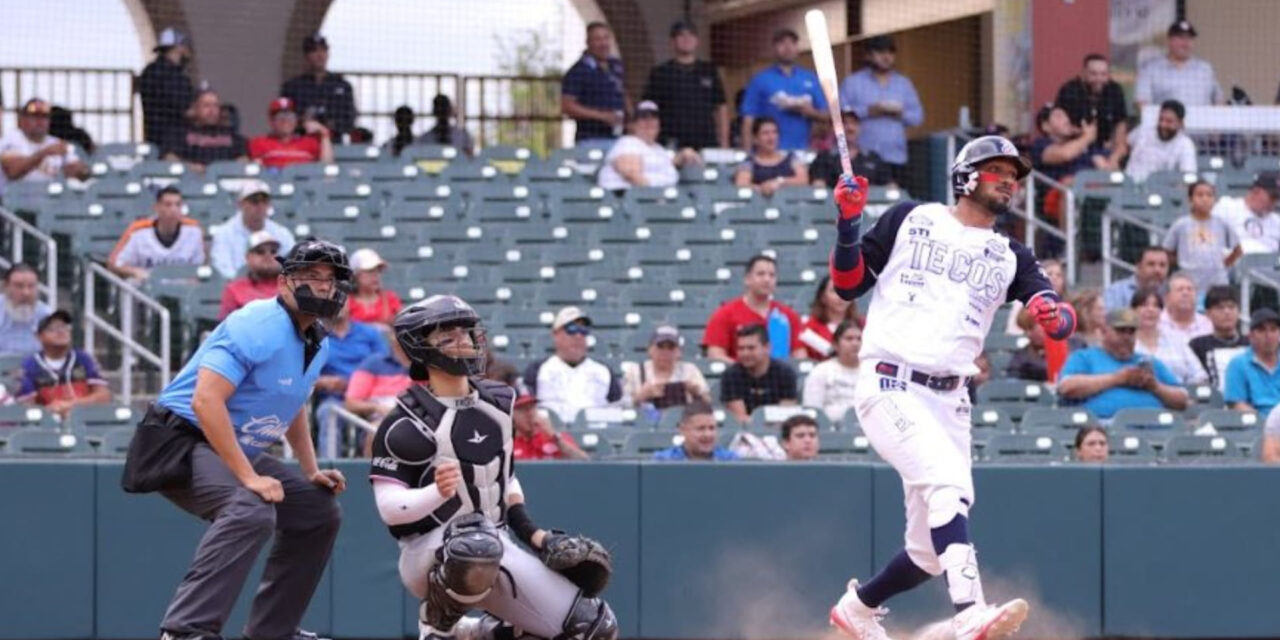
x=816, y=23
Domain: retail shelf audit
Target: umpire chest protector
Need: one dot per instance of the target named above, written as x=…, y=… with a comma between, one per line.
x=475, y=430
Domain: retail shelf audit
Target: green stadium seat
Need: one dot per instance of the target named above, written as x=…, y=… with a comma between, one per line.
x=310, y=172
x=344, y=190
x=754, y=213
x=1060, y=420
x=769, y=418
x=510, y=212
x=1016, y=447
x=636, y=199
x=1256, y=163
x=668, y=213
x=1184, y=449
x=795, y=194
x=465, y=171
x=579, y=192
x=387, y=172
x=596, y=212
x=1131, y=448
x=535, y=235
x=713, y=235
x=643, y=444
x=721, y=197
x=457, y=233
x=500, y=192
x=37, y=441
x=1150, y=421
x=993, y=418
x=538, y=170
x=131, y=150
x=356, y=153
x=845, y=443
x=579, y=155
x=92, y=421
x=22, y=416
x=115, y=442
x=599, y=443
x=159, y=171
x=691, y=174
x=343, y=211
x=610, y=236
x=651, y=296
x=1239, y=426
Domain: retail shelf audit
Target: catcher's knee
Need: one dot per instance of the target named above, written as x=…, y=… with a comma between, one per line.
x=468, y=563
x=945, y=503
x=590, y=619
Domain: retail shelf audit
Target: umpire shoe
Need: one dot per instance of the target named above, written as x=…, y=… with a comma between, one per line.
x=985, y=622
x=853, y=617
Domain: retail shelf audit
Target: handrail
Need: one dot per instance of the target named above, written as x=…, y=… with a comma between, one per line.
x=355, y=419
x=1107, y=258
x=23, y=228
x=129, y=296
x=1247, y=276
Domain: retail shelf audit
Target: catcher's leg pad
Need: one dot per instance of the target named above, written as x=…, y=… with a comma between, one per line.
x=468, y=564
x=590, y=619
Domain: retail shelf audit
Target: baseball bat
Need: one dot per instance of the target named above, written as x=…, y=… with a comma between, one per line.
x=816, y=23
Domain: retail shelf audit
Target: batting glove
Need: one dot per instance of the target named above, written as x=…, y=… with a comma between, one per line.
x=1058, y=319
x=851, y=196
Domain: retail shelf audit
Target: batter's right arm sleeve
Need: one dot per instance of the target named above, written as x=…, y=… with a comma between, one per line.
x=855, y=266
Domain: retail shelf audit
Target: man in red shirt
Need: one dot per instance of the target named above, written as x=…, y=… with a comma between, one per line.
x=756, y=306
x=535, y=439
x=283, y=147
x=259, y=280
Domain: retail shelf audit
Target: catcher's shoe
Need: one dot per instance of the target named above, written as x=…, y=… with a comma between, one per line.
x=987, y=622
x=853, y=617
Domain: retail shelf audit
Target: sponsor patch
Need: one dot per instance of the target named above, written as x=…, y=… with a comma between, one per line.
x=386, y=463
x=892, y=384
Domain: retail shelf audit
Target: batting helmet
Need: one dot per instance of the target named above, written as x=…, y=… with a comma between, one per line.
x=964, y=171
x=415, y=322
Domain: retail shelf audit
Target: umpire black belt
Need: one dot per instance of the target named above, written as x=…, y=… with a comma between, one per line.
x=937, y=383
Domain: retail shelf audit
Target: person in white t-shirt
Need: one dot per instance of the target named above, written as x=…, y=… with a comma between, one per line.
x=231, y=239
x=166, y=239
x=1180, y=319
x=637, y=160
x=570, y=380
x=29, y=154
x=1162, y=148
x=1253, y=216
x=831, y=384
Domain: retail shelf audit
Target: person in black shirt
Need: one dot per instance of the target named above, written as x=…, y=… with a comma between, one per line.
x=1215, y=350
x=756, y=379
x=1095, y=97
x=165, y=89
x=825, y=168
x=206, y=139
x=320, y=95
x=689, y=94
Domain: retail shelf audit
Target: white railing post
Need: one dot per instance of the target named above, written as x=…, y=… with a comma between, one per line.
x=129, y=297
x=1073, y=260
x=22, y=229
x=1029, y=232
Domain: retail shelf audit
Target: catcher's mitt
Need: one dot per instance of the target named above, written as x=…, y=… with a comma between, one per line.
x=582, y=560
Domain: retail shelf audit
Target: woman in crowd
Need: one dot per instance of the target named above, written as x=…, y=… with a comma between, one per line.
x=370, y=302
x=1091, y=444
x=664, y=380
x=1175, y=353
x=826, y=311
x=830, y=385
x=637, y=160
x=1091, y=318
x=769, y=167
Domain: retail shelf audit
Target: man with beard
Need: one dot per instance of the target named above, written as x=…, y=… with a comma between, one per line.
x=233, y=236
x=886, y=102
x=786, y=92
x=165, y=89
x=1163, y=148
x=688, y=90
x=1094, y=97
x=259, y=281
x=20, y=311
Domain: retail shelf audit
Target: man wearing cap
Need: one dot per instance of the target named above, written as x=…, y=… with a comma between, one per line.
x=786, y=92
x=320, y=95
x=700, y=435
x=1093, y=97
x=826, y=168
x=1178, y=75
x=593, y=92
x=1112, y=376
x=535, y=438
x=169, y=238
x=1216, y=349
x=570, y=380
x=231, y=238
x=370, y=302
x=664, y=380
x=1253, y=215
x=259, y=280
x=887, y=103
x=690, y=92
x=29, y=154
x=1163, y=147
x=21, y=310
x=60, y=376
x=637, y=160
x=165, y=89
x=1253, y=377
x=205, y=139
x=283, y=146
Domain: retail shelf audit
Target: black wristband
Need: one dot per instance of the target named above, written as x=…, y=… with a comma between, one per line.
x=521, y=524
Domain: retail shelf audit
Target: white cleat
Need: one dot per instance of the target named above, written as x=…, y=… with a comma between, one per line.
x=986, y=622
x=857, y=619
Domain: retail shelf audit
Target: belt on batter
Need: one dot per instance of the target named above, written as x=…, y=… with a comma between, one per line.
x=937, y=383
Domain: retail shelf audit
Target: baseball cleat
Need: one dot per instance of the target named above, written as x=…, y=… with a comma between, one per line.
x=857, y=619
x=985, y=622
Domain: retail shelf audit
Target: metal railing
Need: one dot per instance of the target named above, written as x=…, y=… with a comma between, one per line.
x=1110, y=215
x=101, y=100
x=128, y=299
x=19, y=229
x=514, y=110
x=379, y=94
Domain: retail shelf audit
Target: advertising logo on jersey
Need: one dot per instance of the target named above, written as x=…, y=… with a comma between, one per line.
x=388, y=464
x=262, y=432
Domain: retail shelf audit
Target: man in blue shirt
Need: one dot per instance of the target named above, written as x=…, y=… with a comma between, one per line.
x=785, y=92
x=1111, y=377
x=245, y=388
x=592, y=91
x=1253, y=377
x=700, y=431
x=887, y=103
x=350, y=343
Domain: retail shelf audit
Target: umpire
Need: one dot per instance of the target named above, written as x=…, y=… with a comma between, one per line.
x=245, y=387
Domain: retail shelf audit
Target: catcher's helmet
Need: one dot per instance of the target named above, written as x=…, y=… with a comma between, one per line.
x=318, y=252
x=964, y=171
x=415, y=322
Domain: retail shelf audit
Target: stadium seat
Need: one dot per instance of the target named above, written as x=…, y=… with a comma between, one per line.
x=12, y=416
x=1060, y=420
x=769, y=418
x=600, y=443
x=604, y=417
x=92, y=421
x=462, y=171
x=596, y=212
x=643, y=444
x=845, y=443
x=505, y=212
x=636, y=199
x=383, y=174
x=1183, y=449
x=1150, y=421
x=667, y=213
x=1204, y=396
x=993, y=418
x=115, y=442
x=796, y=194
x=650, y=295
x=356, y=153
x=1018, y=447
x=718, y=199
x=753, y=214
x=1239, y=426
x=310, y=172
x=1015, y=391
x=37, y=441
x=539, y=170
x=1131, y=448
x=609, y=236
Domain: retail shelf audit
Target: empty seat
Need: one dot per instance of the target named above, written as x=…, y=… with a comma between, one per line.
x=38, y=441
x=1059, y=419
x=1023, y=448
x=94, y=420
x=24, y=416
x=1237, y=425
x=1201, y=449
x=1149, y=420
x=996, y=418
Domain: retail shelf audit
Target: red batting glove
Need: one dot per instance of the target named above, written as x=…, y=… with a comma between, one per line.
x=1056, y=318
x=851, y=196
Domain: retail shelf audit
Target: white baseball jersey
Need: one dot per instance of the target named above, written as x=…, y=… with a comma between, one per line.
x=141, y=247
x=937, y=285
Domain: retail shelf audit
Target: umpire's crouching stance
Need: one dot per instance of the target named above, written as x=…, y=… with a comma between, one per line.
x=202, y=445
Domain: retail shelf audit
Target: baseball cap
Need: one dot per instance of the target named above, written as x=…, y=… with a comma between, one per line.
x=259, y=238
x=1182, y=28
x=253, y=188
x=59, y=314
x=1263, y=316
x=880, y=43
x=666, y=333
x=170, y=37
x=281, y=104
x=366, y=260
x=646, y=108
x=1270, y=182
x=569, y=315
x=682, y=25
x=526, y=399
x=35, y=107
x=1122, y=319
x=313, y=42
x=785, y=32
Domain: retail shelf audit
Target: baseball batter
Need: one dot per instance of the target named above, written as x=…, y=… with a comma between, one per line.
x=444, y=482
x=938, y=274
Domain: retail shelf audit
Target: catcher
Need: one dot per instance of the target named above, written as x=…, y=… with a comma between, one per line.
x=444, y=482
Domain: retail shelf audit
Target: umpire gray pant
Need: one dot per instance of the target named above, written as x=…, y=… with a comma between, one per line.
x=305, y=523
